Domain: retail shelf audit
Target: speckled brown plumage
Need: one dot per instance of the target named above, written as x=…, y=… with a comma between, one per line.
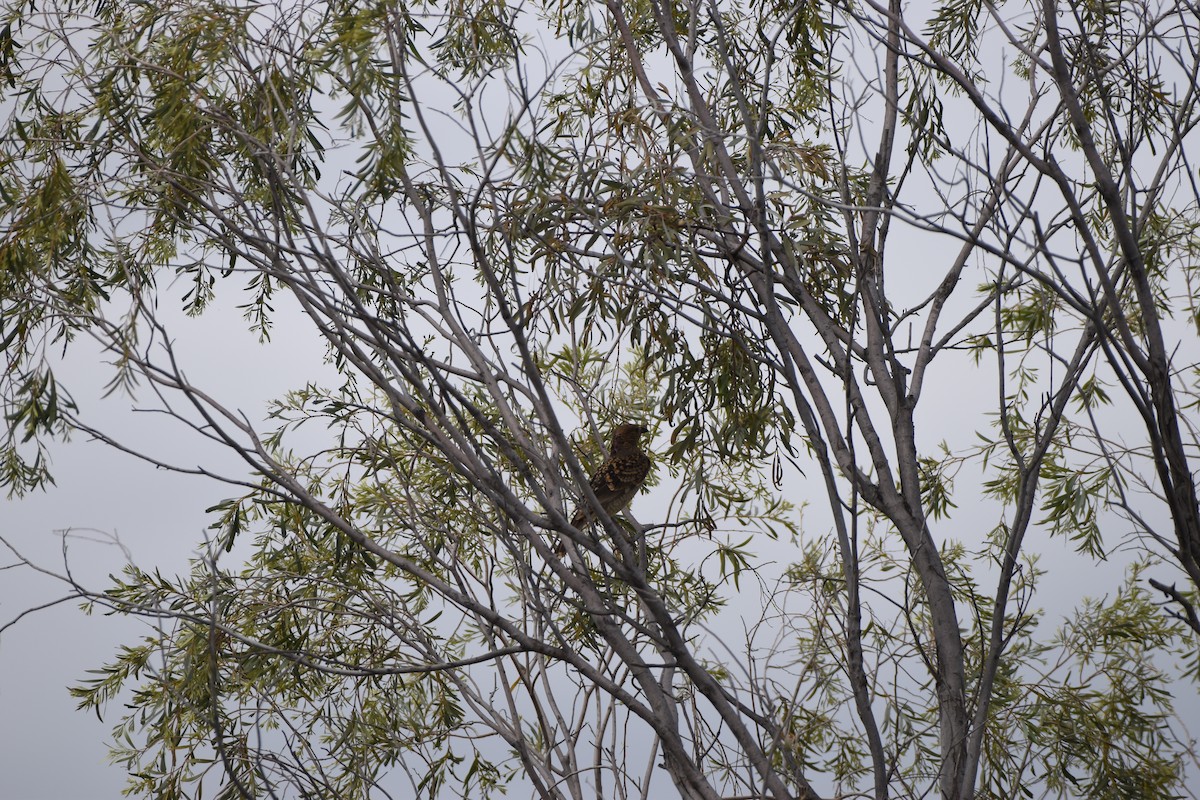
x=620, y=477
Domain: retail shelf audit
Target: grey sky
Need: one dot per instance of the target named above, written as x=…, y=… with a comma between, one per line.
x=156, y=514
x=49, y=751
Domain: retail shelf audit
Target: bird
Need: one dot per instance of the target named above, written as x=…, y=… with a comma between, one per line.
x=618, y=479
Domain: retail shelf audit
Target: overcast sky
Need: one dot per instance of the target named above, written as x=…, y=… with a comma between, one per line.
x=48, y=750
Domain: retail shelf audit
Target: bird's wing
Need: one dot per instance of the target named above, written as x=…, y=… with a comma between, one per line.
x=614, y=484
x=618, y=478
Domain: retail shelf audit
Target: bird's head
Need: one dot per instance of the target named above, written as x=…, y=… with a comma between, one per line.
x=626, y=435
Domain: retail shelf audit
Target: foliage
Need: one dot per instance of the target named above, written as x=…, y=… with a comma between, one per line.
x=928, y=278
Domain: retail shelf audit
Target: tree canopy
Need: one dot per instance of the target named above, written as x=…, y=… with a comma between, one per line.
x=900, y=291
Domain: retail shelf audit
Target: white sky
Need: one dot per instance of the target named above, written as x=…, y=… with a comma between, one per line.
x=50, y=751
x=158, y=515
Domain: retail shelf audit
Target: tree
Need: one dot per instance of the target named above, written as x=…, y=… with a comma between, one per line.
x=783, y=236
